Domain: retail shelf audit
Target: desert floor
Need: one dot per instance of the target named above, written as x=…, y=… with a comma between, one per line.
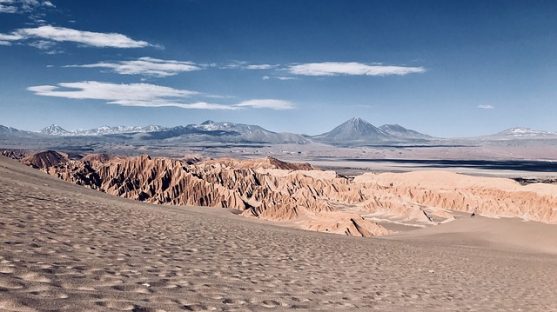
x=67, y=248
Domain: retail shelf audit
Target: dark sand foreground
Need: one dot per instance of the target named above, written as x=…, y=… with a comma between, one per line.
x=67, y=248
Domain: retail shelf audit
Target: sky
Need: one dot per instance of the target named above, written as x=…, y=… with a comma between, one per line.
x=445, y=68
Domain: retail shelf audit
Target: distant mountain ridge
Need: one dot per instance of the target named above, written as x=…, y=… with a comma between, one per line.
x=357, y=131
x=228, y=132
x=13, y=132
x=353, y=132
x=395, y=130
x=211, y=131
x=104, y=130
x=517, y=134
x=525, y=132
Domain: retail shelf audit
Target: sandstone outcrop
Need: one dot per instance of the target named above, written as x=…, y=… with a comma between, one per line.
x=491, y=197
x=248, y=186
x=45, y=159
x=298, y=194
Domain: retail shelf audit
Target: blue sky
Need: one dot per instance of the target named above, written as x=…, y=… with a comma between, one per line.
x=446, y=68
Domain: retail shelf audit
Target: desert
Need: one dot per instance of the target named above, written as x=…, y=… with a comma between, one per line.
x=272, y=155
x=67, y=248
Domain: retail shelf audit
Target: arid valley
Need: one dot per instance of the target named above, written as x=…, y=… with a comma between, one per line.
x=68, y=248
x=278, y=155
x=103, y=232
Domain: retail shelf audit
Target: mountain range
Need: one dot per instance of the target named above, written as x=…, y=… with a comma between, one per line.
x=357, y=131
x=522, y=133
x=353, y=132
x=104, y=130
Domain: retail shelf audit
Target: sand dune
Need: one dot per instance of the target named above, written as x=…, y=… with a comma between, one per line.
x=67, y=248
x=498, y=234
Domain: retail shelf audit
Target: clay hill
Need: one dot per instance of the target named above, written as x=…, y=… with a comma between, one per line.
x=299, y=195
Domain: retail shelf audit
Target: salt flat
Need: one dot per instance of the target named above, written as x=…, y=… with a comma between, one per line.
x=68, y=248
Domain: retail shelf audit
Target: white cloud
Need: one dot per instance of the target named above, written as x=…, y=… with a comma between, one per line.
x=63, y=34
x=246, y=65
x=22, y=6
x=234, y=65
x=42, y=44
x=351, y=68
x=162, y=103
x=47, y=47
x=10, y=37
x=267, y=103
x=145, y=66
x=111, y=92
x=484, y=106
x=285, y=78
x=8, y=6
x=145, y=95
x=260, y=66
x=279, y=77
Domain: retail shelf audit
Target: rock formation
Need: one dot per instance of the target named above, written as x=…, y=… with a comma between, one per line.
x=266, y=188
x=46, y=159
x=298, y=194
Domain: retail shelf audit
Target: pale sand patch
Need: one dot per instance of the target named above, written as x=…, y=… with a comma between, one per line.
x=502, y=234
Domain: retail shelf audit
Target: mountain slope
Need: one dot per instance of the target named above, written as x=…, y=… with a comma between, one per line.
x=9, y=132
x=226, y=132
x=400, y=132
x=210, y=131
x=521, y=134
x=55, y=130
x=357, y=131
x=353, y=131
x=107, y=130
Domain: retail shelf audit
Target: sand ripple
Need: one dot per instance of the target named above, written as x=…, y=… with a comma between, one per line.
x=66, y=248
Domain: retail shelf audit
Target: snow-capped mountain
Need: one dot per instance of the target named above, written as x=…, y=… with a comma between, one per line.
x=244, y=129
x=106, y=130
x=226, y=132
x=519, y=133
x=56, y=130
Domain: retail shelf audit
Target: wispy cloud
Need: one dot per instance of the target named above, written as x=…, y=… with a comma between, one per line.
x=164, y=103
x=267, y=103
x=247, y=65
x=46, y=46
x=23, y=6
x=8, y=6
x=145, y=95
x=233, y=65
x=260, y=66
x=486, y=106
x=10, y=37
x=110, y=91
x=351, y=68
x=278, y=77
x=146, y=66
x=63, y=34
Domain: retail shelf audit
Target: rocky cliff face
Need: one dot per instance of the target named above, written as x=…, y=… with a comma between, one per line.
x=268, y=189
x=297, y=194
x=46, y=159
